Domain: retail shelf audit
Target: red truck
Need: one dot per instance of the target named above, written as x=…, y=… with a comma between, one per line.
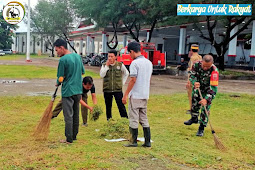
x=149, y=51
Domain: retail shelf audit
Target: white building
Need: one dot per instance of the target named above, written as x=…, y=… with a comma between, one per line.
x=174, y=40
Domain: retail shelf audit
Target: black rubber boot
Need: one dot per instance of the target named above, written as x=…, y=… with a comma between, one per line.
x=193, y=119
x=133, y=141
x=147, y=137
x=200, y=131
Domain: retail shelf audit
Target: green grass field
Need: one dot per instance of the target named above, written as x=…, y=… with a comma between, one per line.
x=235, y=73
x=21, y=56
x=175, y=145
x=29, y=72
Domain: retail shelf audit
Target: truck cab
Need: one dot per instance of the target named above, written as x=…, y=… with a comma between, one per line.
x=149, y=51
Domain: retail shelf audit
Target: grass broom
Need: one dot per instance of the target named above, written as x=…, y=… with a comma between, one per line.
x=42, y=129
x=217, y=141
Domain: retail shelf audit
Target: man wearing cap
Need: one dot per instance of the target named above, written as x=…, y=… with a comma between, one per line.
x=203, y=75
x=193, y=59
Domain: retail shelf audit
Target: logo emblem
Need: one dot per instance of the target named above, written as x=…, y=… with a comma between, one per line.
x=118, y=67
x=13, y=12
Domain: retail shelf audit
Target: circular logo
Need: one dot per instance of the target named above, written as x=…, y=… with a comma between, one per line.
x=13, y=12
x=118, y=67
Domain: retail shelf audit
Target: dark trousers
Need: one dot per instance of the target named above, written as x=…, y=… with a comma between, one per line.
x=71, y=114
x=84, y=110
x=108, y=102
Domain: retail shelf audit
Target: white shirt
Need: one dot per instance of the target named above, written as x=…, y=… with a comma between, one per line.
x=141, y=68
x=124, y=71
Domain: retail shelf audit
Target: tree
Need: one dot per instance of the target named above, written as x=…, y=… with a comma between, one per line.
x=6, y=33
x=214, y=22
x=130, y=14
x=53, y=19
x=137, y=14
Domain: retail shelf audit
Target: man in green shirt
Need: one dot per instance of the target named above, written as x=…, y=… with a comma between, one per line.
x=70, y=67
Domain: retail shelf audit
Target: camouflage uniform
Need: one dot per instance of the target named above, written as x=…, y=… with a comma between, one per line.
x=197, y=74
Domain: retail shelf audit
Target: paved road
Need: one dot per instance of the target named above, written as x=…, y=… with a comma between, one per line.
x=160, y=84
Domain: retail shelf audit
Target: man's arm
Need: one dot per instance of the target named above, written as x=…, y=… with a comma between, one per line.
x=83, y=103
x=83, y=70
x=61, y=71
x=211, y=93
x=133, y=74
x=94, y=98
x=125, y=73
x=82, y=67
x=103, y=70
x=129, y=88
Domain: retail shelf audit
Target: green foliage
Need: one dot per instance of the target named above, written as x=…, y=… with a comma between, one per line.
x=115, y=129
x=97, y=111
x=6, y=33
x=53, y=19
x=134, y=14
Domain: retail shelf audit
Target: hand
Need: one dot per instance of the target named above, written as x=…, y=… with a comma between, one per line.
x=203, y=102
x=107, y=63
x=188, y=85
x=197, y=85
x=124, y=100
x=91, y=109
x=56, y=85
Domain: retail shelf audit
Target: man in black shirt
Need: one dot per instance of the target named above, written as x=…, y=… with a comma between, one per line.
x=182, y=66
x=88, y=85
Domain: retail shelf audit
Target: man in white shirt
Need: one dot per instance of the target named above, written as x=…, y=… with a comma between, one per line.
x=115, y=75
x=138, y=92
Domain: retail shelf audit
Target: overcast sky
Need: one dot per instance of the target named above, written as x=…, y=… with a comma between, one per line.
x=22, y=25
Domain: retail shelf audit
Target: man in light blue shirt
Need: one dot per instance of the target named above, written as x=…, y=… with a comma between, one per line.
x=138, y=92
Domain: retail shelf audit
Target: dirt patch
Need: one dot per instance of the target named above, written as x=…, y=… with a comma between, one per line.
x=150, y=162
x=160, y=84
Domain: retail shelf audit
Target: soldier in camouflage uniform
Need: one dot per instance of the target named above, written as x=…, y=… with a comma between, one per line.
x=200, y=78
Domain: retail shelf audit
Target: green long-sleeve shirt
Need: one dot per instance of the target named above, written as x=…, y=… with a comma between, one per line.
x=71, y=68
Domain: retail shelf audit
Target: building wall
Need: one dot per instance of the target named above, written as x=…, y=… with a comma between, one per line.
x=205, y=47
x=36, y=44
x=171, y=44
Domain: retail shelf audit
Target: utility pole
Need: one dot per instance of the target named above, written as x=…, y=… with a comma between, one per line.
x=28, y=34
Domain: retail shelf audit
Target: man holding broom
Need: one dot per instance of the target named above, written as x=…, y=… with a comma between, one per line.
x=203, y=76
x=70, y=67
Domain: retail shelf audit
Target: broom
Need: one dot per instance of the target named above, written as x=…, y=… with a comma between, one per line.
x=42, y=129
x=217, y=141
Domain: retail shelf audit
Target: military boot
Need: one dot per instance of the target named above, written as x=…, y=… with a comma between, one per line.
x=193, y=119
x=133, y=140
x=147, y=137
x=200, y=131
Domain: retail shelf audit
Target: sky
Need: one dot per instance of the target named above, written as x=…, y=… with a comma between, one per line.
x=22, y=25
